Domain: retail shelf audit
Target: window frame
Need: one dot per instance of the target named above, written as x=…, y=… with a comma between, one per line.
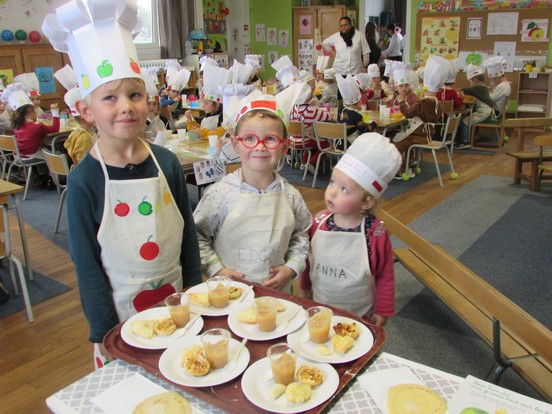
x=148, y=51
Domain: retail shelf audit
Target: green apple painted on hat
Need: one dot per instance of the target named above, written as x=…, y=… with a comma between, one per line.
x=105, y=69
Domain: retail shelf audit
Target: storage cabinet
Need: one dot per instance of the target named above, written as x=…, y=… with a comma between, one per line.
x=25, y=58
x=534, y=97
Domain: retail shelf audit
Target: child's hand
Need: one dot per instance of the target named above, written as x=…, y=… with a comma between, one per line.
x=376, y=319
x=188, y=115
x=54, y=106
x=278, y=277
x=196, y=130
x=229, y=272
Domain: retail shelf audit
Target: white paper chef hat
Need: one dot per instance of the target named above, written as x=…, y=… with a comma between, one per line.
x=66, y=76
x=495, y=65
x=374, y=70
x=435, y=72
x=363, y=80
x=281, y=63
x=391, y=65
x=16, y=96
x=241, y=73
x=177, y=78
x=474, y=71
x=29, y=82
x=452, y=70
x=253, y=60
x=371, y=161
x=287, y=75
x=400, y=76
x=213, y=77
x=349, y=89
x=71, y=97
x=329, y=73
x=98, y=37
x=206, y=60
x=305, y=76
x=151, y=88
x=233, y=93
x=322, y=63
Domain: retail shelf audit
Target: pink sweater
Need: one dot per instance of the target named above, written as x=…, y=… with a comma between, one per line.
x=29, y=136
x=381, y=265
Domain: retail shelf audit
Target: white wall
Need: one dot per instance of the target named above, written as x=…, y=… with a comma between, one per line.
x=14, y=15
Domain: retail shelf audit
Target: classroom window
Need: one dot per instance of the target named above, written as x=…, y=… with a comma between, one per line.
x=147, y=41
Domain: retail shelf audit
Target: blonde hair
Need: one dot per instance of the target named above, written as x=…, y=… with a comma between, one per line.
x=115, y=84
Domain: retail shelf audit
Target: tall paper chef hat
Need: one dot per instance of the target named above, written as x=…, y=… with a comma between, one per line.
x=329, y=74
x=435, y=72
x=363, y=80
x=213, y=77
x=253, y=60
x=66, y=76
x=150, y=78
x=177, y=77
x=495, y=66
x=98, y=38
x=371, y=161
x=29, y=82
x=322, y=63
x=349, y=89
x=452, y=70
x=241, y=73
x=71, y=97
x=474, y=71
x=374, y=70
x=16, y=96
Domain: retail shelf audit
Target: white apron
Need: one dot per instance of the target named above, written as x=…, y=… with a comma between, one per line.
x=210, y=122
x=140, y=238
x=255, y=235
x=413, y=125
x=339, y=272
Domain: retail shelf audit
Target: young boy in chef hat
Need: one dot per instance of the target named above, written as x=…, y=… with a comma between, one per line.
x=348, y=113
x=500, y=87
x=377, y=87
x=130, y=223
x=253, y=224
x=447, y=92
x=177, y=78
x=357, y=280
x=30, y=81
x=483, y=108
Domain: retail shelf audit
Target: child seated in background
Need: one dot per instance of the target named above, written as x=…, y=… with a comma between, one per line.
x=253, y=224
x=155, y=122
x=500, y=87
x=403, y=92
x=329, y=93
x=366, y=282
x=348, y=113
x=376, y=88
x=81, y=140
x=447, y=92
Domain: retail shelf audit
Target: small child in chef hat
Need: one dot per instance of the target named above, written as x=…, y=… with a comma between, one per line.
x=349, y=112
x=30, y=80
x=130, y=221
x=403, y=79
x=253, y=224
x=377, y=87
x=500, y=87
x=357, y=280
x=329, y=93
x=447, y=92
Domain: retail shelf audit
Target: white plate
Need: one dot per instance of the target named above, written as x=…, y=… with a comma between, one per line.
x=171, y=367
x=209, y=310
x=158, y=341
x=257, y=391
x=251, y=331
x=307, y=349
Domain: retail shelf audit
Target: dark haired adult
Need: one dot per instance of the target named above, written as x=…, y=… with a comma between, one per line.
x=394, y=49
x=349, y=48
x=372, y=38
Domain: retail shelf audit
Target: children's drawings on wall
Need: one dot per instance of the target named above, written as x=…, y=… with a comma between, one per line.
x=260, y=33
x=534, y=30
x=205, y=173
x=271, y=35
x=508, y=51
x=305, y=48
x=283, y=39
x=272, y=56
x=502, y=23
x=46, y=82
x=305, y=24
x=474, y=28
x=439, y=36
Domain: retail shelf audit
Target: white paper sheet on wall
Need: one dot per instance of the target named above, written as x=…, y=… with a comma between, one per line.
x=508, y=51
x=502, y=23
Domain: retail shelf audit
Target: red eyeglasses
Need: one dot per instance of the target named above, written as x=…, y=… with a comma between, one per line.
x=252, y=141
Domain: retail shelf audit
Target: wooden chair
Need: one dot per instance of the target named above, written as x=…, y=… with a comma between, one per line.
x=298, y=148
x=449, y=134
x=9, y=144
x=496, y=125
x=335, y=134
x=543, y=141
x=522, y=124
x=59, y=170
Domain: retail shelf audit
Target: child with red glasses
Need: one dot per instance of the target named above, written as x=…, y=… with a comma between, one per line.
x=253, y=224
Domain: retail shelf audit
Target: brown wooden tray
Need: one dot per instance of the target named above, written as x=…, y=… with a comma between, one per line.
x=229, y=396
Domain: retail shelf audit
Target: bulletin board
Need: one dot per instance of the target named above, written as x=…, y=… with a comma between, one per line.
x=494, y=26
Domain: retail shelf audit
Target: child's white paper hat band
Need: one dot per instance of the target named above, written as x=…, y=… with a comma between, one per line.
x=213, y=77
x=371, y=161
x=435, y=72
x=66, y=76
x=98, y=38
x=474, y=70
x=349, y=89
x=495, y=66
x=16, y=96
x=374, y=70
x=29, y=82
x=71, y=97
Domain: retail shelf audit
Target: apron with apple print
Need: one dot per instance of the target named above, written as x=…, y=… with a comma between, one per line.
x=140, y=238
x=255, y=235
x=341, y=275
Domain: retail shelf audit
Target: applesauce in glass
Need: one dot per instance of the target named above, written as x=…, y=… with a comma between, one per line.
x=282, y=363
x=179, y=308
x=215, y=344
x=218, y=291
x=320, y=319
x=266, y=309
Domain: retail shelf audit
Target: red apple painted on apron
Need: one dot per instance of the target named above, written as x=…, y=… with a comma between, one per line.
x=149, y=250
x=147, y=298
x=121, y=209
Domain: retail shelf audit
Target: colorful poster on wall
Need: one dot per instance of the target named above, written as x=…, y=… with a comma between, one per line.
x=439, y=36
x=305, y=58
x=283, y=39
x=214, y=23
x=6, y=76
x=260, y=32
x=475, y=58
x=305, y=25
x=271, y=35
x=46, y=82
x=534, y=30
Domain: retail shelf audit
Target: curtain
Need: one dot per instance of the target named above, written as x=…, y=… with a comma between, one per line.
x=399, y=12
x=176, y=19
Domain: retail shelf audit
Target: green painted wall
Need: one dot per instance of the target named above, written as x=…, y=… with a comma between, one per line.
x=414, y=32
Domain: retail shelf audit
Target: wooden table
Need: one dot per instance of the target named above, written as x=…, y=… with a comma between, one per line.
x=382, y=124
x=191, y=151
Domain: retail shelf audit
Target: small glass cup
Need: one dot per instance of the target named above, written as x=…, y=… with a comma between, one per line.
x=213, y=139
x=178, y=305
x=266, y=309
x=320, y=319
x=215, y=344
x=282, y=363
x=182, y=134
x=363, y=107
x=219, y=287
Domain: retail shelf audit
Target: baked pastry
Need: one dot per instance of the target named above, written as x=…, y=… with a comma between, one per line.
x=310, y=375
x=143, y=329
x=281, y=307
x=276, y=390
x=414, y=398
x=166, y=403
x=200, y=298
x=247, y=315
x=234, y=292
x=347, y=329
x=341, y=344
x=165, y=326
x=195, y=361
x=298, y=393
x=323, y=350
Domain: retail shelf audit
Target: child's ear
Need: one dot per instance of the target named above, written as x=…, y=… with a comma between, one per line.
x=368, y=203
x=285, y=145
x=85, y=111
x=234, y=141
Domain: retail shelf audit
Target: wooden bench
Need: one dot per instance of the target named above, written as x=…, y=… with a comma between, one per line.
x=533, y=158
x=517, y=338
x=523, y=124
